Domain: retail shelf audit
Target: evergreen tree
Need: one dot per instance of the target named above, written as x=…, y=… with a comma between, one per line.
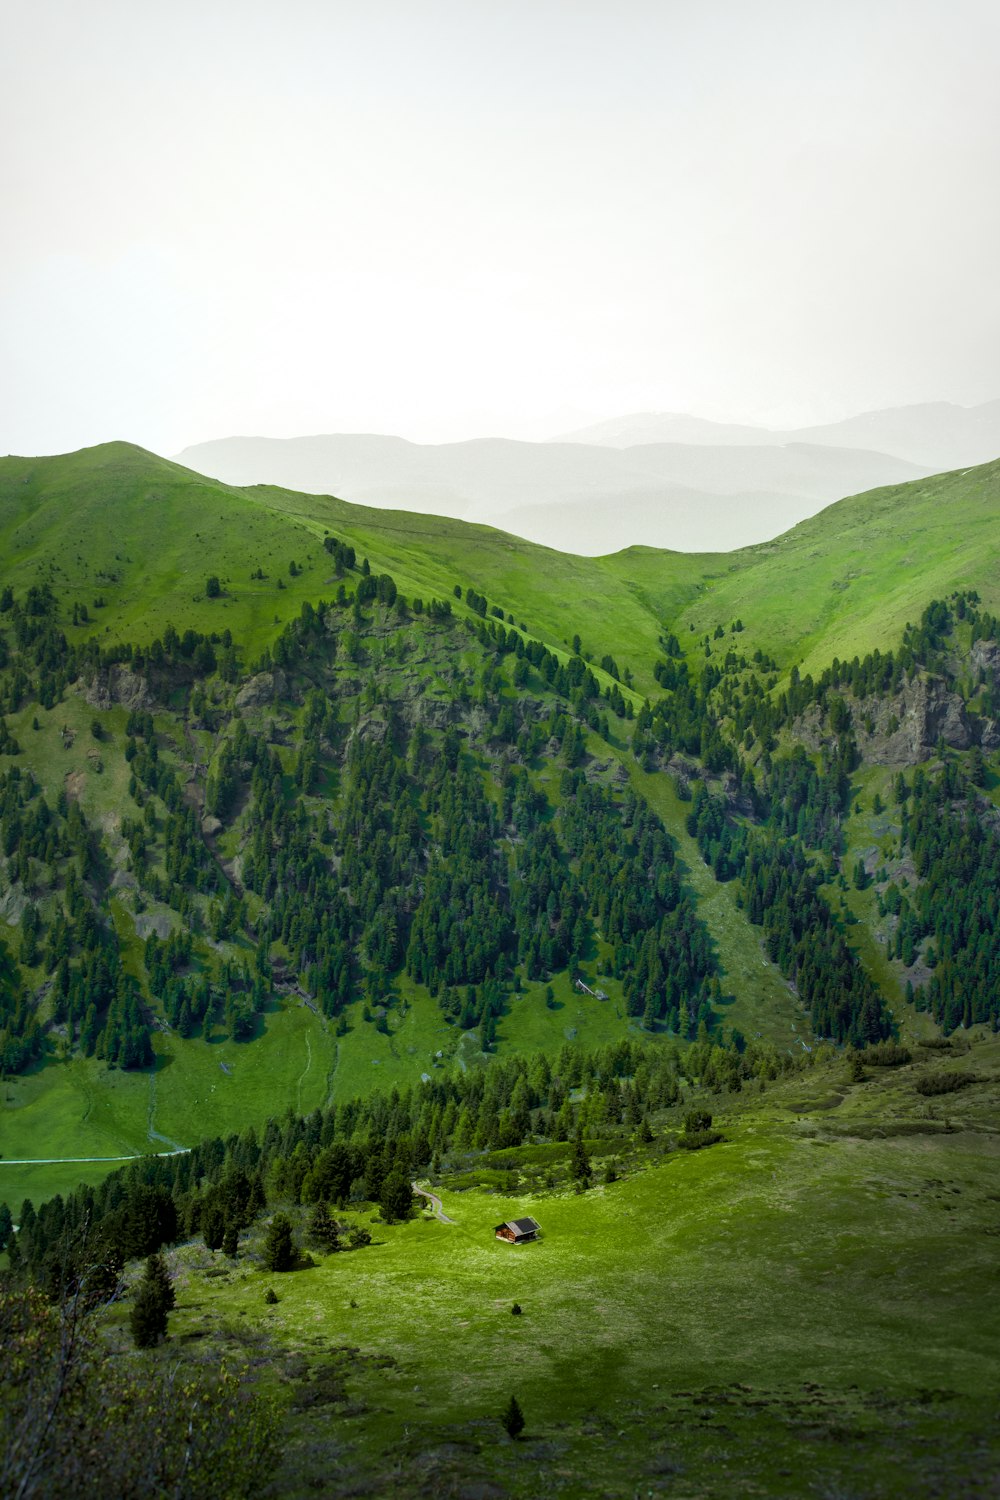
x=580, y=1166
x=323, y=1229
x=279, y=1245
x=396, y=1198
x=158, y=1273
x=154, y=1297
x=513, y=1418
x=213, y=1227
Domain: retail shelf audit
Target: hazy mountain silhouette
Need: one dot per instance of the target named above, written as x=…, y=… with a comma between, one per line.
x=585, y=498
x=938, y=435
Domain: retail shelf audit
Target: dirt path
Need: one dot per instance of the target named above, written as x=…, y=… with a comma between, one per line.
x=435, y=1203
x=63, y=1161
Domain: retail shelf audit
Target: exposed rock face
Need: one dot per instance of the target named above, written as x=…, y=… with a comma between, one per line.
x=905, y=729
x=985, y=657
x=266, y=687
x=738, y=800
x=119, y=685
x=434, y=713
x=372, y=730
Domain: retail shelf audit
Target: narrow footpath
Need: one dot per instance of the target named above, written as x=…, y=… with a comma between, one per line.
x=435, y=1203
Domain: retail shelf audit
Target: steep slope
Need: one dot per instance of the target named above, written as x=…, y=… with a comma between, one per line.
x=850, y=578
x=143, y=534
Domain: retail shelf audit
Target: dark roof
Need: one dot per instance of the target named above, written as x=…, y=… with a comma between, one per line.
x=524, y=1225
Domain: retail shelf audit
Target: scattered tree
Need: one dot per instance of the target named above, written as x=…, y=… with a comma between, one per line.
x=513, y=1418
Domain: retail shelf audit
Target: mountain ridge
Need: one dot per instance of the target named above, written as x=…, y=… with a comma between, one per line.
x=680, y=496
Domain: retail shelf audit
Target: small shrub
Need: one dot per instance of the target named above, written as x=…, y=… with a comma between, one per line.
x=694, y=1140
x=943, y=1083
x=271, y=1297
x=516, y=1310
x=887, y=1055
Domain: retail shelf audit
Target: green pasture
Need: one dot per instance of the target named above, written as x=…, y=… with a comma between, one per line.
x=832, y=1253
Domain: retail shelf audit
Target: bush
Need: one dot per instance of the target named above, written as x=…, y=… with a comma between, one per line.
x=271, y=1297
x=943, y=1083
x=887, y=1055
x=213, y=588
x=694, y=1140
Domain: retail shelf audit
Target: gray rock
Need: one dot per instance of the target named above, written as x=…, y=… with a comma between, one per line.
x=119, y=685
x=266, y=687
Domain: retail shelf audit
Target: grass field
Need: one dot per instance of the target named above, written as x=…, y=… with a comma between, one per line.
x=803, y=1305
x=80, y=1107
x=850, y=578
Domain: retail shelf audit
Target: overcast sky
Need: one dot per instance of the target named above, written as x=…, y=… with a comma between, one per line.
x=448, y=220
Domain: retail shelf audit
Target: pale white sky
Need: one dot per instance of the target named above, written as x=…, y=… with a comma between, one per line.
x=447, y=220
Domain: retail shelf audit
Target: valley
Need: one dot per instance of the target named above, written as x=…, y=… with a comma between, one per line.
x=334, y=829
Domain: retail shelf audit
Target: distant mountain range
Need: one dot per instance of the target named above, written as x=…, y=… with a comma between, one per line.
x=657, y=479
x=936, y=434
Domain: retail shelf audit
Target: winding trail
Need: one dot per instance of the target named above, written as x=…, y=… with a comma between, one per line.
x=304, y=1074
x=155, y=1135
x=63, y=1161
x=435, y=1203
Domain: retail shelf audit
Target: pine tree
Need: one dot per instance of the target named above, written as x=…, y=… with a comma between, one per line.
x=158, y=1273
x=323, y=1229
x=513, y=1418
x=213, y=1227
x=153, y=1300
x=396, y=1198
x=580, y=1168
x=279, y=1246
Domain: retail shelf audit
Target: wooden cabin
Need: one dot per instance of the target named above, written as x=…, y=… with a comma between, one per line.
x=518, y=1231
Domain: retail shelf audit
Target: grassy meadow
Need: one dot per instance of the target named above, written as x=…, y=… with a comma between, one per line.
x=806, y=1298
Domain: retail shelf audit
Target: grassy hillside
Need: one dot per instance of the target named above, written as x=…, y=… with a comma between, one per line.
x=849, y=579
x=145, y=533
x=127, y=542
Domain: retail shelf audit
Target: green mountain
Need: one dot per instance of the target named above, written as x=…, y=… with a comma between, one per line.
x=166, y=650
x=339, y=847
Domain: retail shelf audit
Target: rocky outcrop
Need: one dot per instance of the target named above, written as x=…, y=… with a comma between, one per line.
x=905, y=729
x=985, y=657
x=119, y=685
x=265, y=688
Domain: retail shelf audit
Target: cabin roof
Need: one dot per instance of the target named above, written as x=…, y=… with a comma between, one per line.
x=519, y=1226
